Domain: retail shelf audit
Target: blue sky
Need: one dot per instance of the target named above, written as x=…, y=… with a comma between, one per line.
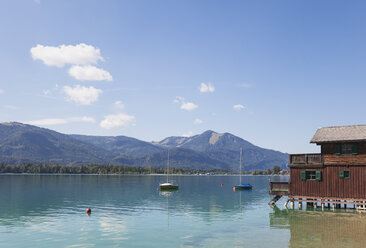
x=271, y=72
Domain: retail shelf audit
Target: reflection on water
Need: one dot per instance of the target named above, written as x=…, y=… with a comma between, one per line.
x=321, y=229
x=130, y=211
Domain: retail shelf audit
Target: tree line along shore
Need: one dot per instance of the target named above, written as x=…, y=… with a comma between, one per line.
x=117, y=169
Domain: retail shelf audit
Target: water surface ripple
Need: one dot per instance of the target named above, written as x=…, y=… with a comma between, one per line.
x=130, y=211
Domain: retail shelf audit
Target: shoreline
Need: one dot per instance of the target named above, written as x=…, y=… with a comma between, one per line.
x=96, y=174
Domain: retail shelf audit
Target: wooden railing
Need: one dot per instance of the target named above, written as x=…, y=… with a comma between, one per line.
x=278, y=188
x=311, y=158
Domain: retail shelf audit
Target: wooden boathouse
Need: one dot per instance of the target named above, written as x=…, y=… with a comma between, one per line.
x=333, y=177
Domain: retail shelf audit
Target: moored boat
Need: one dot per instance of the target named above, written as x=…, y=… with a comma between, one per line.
x=168, y=185
x=242, y=186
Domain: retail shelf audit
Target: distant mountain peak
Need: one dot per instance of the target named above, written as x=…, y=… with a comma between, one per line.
x=24, y=143
x=208, y=132
x=215, y=137
x=178, y=141
x=13, y=123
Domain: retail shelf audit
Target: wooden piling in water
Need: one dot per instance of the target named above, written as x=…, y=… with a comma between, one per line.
x=325, y=202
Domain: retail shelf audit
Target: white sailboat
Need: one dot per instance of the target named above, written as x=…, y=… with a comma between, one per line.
x=168, y=185
x=242, y=186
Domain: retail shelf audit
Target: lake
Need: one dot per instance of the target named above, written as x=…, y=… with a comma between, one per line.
x=129, y=211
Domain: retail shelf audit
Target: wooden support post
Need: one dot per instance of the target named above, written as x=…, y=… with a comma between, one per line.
x=292, y=205
x=275, y=199
x=286, y=202
x=322, y=206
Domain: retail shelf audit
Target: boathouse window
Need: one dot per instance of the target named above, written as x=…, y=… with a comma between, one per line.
x=311, y=175
x=345, y=174
x=346, y=149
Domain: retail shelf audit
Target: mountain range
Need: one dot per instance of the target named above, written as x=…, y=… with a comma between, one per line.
x=22, y=143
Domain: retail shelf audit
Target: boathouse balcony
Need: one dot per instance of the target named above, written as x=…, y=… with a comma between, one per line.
x=278, y=188
x=310, y=159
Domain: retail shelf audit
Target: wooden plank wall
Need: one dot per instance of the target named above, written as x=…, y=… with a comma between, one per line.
x=332, y=159
x=330, y=185
x=329, y=148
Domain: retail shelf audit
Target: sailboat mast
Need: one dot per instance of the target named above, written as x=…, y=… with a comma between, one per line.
x=241, y=150
x=167, y=173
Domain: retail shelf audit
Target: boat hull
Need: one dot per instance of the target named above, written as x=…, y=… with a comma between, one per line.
x=243, y=187
x=173, y=187
x=168, y=186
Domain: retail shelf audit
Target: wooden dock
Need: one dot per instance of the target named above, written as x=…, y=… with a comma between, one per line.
x=326, y=202
x=279, y=189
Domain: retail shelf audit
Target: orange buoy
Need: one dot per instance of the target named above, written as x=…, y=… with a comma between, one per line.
x=88, y=211
x=222, y=185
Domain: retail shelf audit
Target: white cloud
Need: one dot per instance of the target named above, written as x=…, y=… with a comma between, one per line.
x=49, y=121
x=197, y=121
x=49, y=93
x=207, y=88
x=81, y=54
x=119, y=104
x=185, y=105
x=189, y=106
x=178, y=99
x=81, y=94
x=1, y=91
x=37, y=1
x=189, y=134
x=90, y=73
x=115, y=121
x=238, y=107
x=58, y=121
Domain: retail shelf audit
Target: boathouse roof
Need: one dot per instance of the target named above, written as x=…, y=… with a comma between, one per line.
x=340, y=134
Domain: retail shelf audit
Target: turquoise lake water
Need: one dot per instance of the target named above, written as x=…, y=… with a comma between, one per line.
x=129, y=211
